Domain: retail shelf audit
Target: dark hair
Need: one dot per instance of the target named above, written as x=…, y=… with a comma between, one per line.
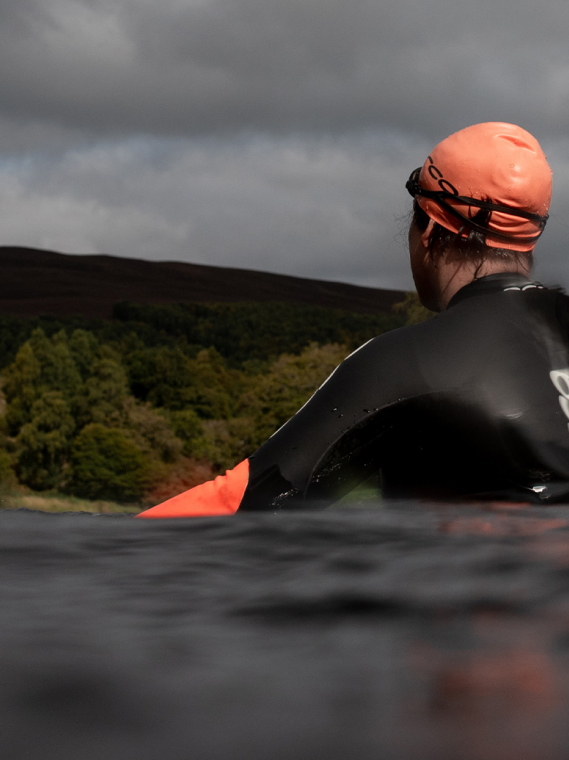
x=473, y=248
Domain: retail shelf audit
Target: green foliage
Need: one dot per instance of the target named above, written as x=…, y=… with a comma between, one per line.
x=169, y=379
x=58, y=370
x=7, y=475
x=160, y=376
x=107, y=409
x=224, y=443
x=413, y=309
x=188, y=428
x=7, y=457
x=15, y=331
x=20, y=387
x=83, y=346
x=269, y=401
x=103, y=394
x=7, y=454
x=43, y=443
x=243, y=332
x=240, y=332
x=213, y=388
x=58, y=386
x=41, y=365
x=278, y=394
x=151, y=432
x=107, y=464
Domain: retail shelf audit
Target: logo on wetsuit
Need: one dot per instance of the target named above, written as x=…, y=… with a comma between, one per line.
x=560, y=379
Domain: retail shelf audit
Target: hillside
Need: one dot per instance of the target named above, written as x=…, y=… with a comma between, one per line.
x=37, y=282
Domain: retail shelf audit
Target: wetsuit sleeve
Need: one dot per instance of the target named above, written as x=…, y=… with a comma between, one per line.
x=221, y=496
x=334, y=442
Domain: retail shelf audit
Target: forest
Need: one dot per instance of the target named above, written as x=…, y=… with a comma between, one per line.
x=162, y=398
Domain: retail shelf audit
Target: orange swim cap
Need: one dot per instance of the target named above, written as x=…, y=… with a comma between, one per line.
x=493, y=178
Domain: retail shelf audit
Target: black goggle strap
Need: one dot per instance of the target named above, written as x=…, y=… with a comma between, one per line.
x=440, y=197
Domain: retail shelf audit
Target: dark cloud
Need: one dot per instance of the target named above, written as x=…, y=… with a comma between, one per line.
x=284, y=65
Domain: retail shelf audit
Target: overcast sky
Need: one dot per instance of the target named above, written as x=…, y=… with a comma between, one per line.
x=265, y=134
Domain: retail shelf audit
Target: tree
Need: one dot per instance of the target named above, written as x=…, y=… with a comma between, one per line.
x=151, y=432
x=106, y=464
x=20, y=387
x=167, y=378
x=58, y=370
x=274, y=397
x=224, y=443
x=43, y=443
x=7, y=474
x=171, y=379
x=103, y=395
x=212, y=394
x=84, y=348
x=42, y=364
x=187, y=426
x=7, y=459
x=269, y=402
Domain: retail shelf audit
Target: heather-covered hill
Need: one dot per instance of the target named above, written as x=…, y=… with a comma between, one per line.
x=36, y=282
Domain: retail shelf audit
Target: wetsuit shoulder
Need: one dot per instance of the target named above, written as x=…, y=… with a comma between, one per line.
x=460, y=403
x=292, y=465
x=475, y=398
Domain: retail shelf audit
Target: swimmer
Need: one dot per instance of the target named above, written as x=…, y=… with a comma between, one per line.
x=473, y=403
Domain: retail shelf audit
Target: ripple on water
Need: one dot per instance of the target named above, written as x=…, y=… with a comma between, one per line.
x=411, y=631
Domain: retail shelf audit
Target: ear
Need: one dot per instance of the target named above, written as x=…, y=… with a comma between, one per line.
x=427, y=234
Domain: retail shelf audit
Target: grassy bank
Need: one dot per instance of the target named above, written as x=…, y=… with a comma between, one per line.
x=55, y=502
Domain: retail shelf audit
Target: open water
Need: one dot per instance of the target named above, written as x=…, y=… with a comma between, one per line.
x=412, y=631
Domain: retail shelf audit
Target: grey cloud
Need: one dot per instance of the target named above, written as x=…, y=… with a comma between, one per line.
x=281, y=66
x=315, y=209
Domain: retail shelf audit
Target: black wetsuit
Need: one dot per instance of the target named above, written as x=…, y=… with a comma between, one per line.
x=472, y=403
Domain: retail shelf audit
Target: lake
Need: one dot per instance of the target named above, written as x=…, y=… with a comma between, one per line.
x=406, y=631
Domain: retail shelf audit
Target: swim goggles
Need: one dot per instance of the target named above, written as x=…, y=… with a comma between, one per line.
x=441, y=196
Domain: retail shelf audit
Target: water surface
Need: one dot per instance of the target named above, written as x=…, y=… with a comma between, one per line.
x=412, y=631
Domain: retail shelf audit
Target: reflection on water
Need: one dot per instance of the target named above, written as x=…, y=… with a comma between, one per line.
x=416, y=630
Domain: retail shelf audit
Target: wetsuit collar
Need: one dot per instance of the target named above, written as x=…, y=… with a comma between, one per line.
x=492, y=283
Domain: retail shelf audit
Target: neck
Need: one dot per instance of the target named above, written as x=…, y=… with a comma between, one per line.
x=453, y=276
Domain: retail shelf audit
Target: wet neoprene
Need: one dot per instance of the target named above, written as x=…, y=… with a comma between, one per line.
x=474, y=402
